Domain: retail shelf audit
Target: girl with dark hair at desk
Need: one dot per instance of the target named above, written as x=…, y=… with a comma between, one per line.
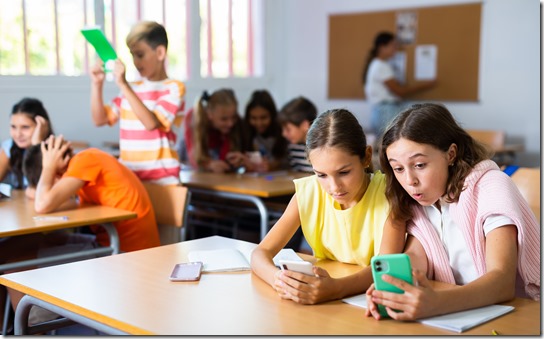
x=342, y=211
x=468, y=224
x=29, y=125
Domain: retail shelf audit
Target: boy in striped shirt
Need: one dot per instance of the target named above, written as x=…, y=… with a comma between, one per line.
x=145, y=109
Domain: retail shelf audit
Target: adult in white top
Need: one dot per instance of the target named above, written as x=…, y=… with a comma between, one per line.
x=383, y=91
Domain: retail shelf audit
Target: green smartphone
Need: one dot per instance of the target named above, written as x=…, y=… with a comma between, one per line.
x=396, y=265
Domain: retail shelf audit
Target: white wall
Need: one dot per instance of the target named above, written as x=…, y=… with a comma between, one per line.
x=509, y=86
x=296, y=47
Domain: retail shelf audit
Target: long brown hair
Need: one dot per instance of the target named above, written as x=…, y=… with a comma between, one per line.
x=33, y=108
x=430, y=124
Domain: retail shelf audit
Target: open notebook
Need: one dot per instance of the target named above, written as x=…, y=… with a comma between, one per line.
x=457, y=322
x=231, y=259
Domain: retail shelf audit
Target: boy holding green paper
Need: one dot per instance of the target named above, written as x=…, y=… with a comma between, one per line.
x=146, y=109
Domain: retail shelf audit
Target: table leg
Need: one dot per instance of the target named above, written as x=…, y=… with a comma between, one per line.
x=263, y=211
x=95, y=252
x=26, y=303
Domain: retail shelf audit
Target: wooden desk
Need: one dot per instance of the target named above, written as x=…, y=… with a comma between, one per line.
x=242, y=187
x=17, y=215
x=130, y=293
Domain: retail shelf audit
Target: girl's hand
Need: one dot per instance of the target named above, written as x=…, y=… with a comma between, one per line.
x=371, y=307
x=53, y=153
x=41, y=131
x=119, y=73
x=30, y=193
x=97, y=72
x=235, y=159
x=218, y=166
x=305, y=289
x=418, y=301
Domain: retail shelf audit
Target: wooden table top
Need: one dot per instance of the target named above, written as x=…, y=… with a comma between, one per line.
x=260, y=186
x=17, y=212
x=132, y=292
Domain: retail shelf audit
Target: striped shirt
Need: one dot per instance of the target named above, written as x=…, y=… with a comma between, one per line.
x=150, y=154
x=297, y=158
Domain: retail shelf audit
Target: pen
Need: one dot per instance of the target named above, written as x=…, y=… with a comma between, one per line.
x=493, y=332
x=50, y=218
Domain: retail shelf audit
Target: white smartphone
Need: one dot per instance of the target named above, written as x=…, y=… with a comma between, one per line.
x=305, y=267
x=187, y=271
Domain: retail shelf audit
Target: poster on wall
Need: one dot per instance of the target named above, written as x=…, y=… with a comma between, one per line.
x=406, y=27
x=425, y=62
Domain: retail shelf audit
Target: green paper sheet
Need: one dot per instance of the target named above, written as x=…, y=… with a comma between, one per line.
x=97, y=39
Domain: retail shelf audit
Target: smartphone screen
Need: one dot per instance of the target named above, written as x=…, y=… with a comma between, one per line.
x=396, y=265
x=187, y=271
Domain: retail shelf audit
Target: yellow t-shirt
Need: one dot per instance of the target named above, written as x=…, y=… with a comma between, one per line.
x=351, y=236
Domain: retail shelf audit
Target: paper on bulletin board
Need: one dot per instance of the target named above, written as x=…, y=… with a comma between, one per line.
x=398, y=62
x=407, y=27
x=425, y=62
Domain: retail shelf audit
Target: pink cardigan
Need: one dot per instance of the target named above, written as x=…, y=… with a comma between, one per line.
x=487, y=191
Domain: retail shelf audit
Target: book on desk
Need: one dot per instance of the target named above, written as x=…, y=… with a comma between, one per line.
x=232, y=259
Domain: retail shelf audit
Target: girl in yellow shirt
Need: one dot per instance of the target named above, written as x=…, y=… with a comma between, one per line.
x=342, y=210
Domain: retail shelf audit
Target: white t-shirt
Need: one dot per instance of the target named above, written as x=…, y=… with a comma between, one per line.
x=379, y=71
x=464, y=270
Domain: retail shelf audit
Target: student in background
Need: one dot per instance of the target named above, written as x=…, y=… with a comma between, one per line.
x=29, y=125
x=468, y=224
x=296, y=117
x=146, y=109
x=342, y=210
x=97, y=178
x=265, y=133
x=383, y=91
x=214, y=140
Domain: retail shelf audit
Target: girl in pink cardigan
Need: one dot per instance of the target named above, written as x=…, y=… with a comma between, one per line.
x=469, y=228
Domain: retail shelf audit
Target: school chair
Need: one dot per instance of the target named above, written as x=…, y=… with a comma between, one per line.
x=495, y=140
x=170, y=205
x=528, y=182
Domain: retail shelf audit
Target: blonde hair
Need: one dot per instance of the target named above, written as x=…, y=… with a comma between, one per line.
x=201, y=123
x=150, y=32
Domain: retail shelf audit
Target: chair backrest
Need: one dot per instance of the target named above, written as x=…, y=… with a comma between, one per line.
x=528, y=182
x=493, y=138
x=169, y=203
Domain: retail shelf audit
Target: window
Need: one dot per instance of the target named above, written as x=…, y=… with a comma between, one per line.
x=41, y=37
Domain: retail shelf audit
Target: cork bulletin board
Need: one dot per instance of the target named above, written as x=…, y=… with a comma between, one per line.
x=454, y=30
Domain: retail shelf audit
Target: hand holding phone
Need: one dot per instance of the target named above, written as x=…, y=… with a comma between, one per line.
x=190, y=271
x=297, y=266
x=396, y=265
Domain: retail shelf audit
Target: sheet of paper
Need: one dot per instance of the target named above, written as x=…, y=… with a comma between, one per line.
x=5, y=190
x=425, y=62
x=457, y=322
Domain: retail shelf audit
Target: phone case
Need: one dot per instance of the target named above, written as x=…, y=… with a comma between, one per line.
x=297, y=266
x=187, y=271
x=396, y=265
